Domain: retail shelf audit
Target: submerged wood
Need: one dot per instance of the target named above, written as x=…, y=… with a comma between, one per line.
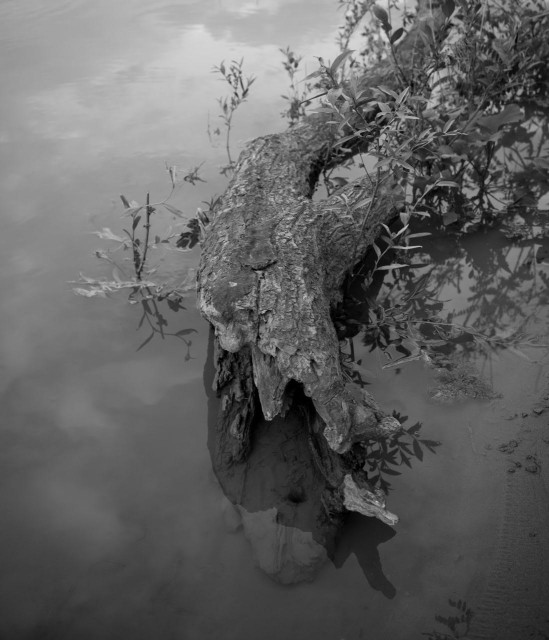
x=272, y=269
x=286, y=493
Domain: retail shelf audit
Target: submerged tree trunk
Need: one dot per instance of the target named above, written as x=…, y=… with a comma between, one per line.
x=272, y=269
x=273, y=266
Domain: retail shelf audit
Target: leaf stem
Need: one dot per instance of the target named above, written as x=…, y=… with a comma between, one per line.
x=147, y=225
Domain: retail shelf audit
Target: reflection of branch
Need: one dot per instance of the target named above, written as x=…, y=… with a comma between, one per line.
x=157, y=325
x=148, y=210
x=382, y=456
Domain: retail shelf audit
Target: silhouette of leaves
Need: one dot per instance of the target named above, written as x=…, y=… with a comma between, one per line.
x=384, y=457
x=458, y=624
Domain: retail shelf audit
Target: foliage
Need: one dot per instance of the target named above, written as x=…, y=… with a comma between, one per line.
x=156, y=321
x=382, y=456
x=370, y=41
x=143, y=283
x=458, y=625
x=297, y=99
x=462, y=130
x=139, y=280
x=233, y=75
x=404, y=318
x=463, y=82
x=467, y=88
x=197, y=226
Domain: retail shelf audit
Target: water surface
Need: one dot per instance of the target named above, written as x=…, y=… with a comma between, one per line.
x=113, y=525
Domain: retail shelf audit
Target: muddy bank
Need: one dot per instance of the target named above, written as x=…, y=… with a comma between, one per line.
x=514, y=599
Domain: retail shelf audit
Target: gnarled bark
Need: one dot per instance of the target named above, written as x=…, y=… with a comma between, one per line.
x=272, y=268
x=271, y=272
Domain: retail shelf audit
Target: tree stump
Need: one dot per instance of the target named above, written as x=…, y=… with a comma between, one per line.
x=271, y=272
x=272, y=269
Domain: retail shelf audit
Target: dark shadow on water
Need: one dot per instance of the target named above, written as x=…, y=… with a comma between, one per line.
x=277, y=498
x=361, y=536
x=275, y=495
x=155, y=318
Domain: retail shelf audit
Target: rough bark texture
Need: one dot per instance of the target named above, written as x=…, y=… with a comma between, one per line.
x=286, y=492
x=272, y=269
x=273, y=265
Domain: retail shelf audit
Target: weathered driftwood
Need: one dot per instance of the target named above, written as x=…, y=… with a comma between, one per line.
x=271, y=271
x=287, y=491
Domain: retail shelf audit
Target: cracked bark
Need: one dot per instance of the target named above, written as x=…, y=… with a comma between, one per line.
x=272, y=269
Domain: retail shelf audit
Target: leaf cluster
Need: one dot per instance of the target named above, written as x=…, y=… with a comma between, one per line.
x=457, y=129
x=139, y=241
x=396, y=325
x=383, y=457
x=152, y=316
x=297, y=98
x=233, y=75
x=458, y=624
x=473, y=75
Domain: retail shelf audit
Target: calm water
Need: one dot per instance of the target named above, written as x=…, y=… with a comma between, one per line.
x=112, y=524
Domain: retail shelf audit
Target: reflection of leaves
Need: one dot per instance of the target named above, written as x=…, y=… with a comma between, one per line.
x=175, y=305
x=90, y=293
x=511, y=113
x=102, y=288
x=156, y=321
x=430, y=444
x=391, y=325
x=458, y=625
x=184, y=332
x=382, y=457
x=498, y=281
x=107, y=234
x=146, y=342
x=417, y=450
x=176, y=212
x=189, y=239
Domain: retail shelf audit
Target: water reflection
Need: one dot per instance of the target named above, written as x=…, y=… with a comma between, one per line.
x=456, y=625
x=469, y=294
x=286, y=554
x=156, y=320
x=256, y=23
x=111, y=524
x=278, y=493
x=361, y=536
x=496, y=288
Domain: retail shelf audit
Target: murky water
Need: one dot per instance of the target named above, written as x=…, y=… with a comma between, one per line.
x=112, y=524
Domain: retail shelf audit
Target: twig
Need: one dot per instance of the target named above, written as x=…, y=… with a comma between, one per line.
x=371, y=204
x=147, y=225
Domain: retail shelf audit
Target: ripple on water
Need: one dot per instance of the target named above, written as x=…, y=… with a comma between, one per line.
x=22, y=22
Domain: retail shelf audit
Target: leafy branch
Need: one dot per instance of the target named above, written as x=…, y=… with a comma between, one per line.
x=384, y=456
x=240, y=85
x=297, y=100
x=141, y=282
